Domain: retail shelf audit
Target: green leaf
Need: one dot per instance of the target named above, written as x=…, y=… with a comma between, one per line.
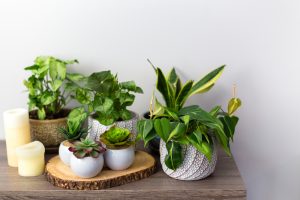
x=102, y=82
x=158, y=108
x=214, y=112
x=125, y=114
x=178, y=132
x=104, y=105
x=163, y=87
x=174, y=158
x=229, y=123
x=195, y=139
x=126, y=99
x=145, y=129
x=183, y=94
x=131, y=86
x=41, y=114
x=47, y=98
x=83, y=96
x=61, y=70
x=56, y=84
x=196, y=113
x=75, y=119
x=75, y=77
x=172, y=77
x=207, y=81
x=233, y=105
x=162, y=127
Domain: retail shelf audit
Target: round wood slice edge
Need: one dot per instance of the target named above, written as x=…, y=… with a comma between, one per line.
x=98, y=183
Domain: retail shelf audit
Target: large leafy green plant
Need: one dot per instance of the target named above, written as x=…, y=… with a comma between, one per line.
x=178, y=125
x=116, y=138
x=44, y=86
x=74, y=129
x=104, y=95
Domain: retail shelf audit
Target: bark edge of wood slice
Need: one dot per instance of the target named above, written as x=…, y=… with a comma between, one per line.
x=61, y=175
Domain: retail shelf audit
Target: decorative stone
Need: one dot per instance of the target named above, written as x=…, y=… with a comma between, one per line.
x=97, y=129
x=195, y=165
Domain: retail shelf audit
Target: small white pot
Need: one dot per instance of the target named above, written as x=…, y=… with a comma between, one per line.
x=119, y=159
x=87, y=167
x=64, y=153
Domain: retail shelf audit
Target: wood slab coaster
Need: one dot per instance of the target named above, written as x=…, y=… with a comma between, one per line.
x=61, y=175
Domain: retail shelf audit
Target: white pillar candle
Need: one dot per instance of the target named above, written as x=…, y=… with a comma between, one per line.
x=17, y=132
x=31, y=159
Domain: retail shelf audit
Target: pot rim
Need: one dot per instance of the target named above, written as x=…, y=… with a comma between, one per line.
x=135, y=115
x=46, y=121
x=120, y=149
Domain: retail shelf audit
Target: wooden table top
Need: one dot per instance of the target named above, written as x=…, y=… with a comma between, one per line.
x=225, y=183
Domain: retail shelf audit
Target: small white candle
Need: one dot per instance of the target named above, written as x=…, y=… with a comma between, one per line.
x=17, y=132
x=31, y=159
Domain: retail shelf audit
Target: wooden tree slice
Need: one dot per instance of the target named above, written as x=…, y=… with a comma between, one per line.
x=61, y=175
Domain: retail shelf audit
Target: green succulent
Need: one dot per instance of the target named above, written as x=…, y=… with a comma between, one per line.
x=74, y=129
x=116, y=138
x=87, y=148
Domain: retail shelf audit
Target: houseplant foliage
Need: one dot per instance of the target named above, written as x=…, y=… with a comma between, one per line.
x=104, y=95
x=116, y=138
x=87, y=148
x=178, y=125
x=44, y=86
x=74, y=129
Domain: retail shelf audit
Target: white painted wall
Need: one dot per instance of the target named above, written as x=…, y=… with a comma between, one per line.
x=258, y=40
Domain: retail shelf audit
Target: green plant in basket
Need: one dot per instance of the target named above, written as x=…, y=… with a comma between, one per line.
x=87, y=148
x=104, y=95
x=46, y=94
x=178, y=125
x=117, y=138
x=74, y=129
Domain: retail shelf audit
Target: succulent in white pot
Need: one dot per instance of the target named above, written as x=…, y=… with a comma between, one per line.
x=73, y=131
x=188, y=134
x=87, y=158
x=107, y=100
x=119, y=145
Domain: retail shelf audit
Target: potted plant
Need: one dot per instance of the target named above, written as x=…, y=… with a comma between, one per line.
x=47, y=99
x=106, y=99
x=73, y=131
x=119, y=153
x=188, y=134
x=87, y=158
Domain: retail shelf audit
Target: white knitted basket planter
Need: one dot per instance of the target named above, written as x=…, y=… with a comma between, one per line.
x=96, y=128
x=195, y=165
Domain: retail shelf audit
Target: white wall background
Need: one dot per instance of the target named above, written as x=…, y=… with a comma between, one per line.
x=258, y=40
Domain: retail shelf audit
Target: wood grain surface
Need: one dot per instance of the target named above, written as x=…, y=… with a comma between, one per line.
x=225, y=183
x=61, y=175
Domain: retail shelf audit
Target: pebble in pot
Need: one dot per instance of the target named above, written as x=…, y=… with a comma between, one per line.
x=120, y=148
x=72, y=132
x=87, y=159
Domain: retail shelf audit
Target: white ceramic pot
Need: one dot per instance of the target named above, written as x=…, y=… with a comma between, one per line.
x=119, y=159
x=87, y=167
x=195, y=165
x=64, y=153
x=97, y=129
